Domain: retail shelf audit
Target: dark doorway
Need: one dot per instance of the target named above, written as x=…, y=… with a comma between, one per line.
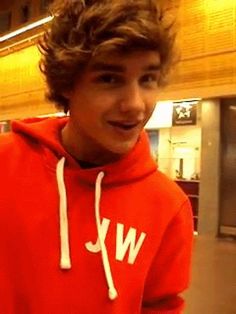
x=228, y=167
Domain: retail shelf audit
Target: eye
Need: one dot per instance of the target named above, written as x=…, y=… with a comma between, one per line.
x=149, y=80
x=108, y=79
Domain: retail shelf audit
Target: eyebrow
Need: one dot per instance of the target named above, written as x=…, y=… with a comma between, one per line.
x=103, y=66
x=152, y=67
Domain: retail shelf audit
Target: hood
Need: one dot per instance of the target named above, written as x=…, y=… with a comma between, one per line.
x=136, y=165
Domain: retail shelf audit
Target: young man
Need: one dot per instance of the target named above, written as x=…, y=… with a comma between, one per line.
x=88, y=224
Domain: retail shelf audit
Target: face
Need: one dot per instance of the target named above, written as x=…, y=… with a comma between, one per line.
x=110, y=104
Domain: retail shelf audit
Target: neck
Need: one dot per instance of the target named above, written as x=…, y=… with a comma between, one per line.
x=79, y=149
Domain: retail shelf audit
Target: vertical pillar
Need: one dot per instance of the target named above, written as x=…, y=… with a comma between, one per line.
x=208, y=219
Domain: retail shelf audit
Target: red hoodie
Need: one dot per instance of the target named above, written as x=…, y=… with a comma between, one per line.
x=108, y=240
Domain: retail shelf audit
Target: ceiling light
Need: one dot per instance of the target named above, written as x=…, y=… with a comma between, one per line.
x=26, y=28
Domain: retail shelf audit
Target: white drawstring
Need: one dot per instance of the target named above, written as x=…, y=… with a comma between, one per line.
x=65, y=262
x=106, y=265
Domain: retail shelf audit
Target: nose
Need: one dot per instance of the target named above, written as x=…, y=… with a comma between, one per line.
x=132, y=99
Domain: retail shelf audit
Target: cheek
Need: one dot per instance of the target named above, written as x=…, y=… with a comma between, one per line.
x=151, y=106
x=151, y=98
x=149, y=110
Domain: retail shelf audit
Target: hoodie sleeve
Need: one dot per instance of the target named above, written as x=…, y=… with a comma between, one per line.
x=170, y=270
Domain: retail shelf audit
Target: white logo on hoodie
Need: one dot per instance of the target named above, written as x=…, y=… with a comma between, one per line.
x=123, y=245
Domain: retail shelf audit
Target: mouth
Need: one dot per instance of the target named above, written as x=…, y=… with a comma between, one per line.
x=125, y=125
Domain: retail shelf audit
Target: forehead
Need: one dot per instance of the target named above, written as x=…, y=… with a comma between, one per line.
x=117, y=62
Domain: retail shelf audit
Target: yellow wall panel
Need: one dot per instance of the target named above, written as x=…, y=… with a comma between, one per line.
x=22, y=85
x=19, y=72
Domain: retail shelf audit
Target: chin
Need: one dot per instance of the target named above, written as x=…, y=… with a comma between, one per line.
x=124, y=148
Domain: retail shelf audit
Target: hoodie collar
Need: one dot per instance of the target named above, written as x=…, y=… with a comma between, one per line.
x=137, y=164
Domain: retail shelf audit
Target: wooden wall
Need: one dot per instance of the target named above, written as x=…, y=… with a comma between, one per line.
x=22, y=85
x=207, y=39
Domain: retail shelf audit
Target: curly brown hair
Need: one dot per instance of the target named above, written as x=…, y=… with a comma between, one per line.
x=82, y=29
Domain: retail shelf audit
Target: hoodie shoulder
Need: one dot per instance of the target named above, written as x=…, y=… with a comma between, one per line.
x=12, y=146
x=8, y=142
x=166, y=190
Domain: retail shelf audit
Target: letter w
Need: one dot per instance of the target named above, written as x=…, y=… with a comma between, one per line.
x=129, y=242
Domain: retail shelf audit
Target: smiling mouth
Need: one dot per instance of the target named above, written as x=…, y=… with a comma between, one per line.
x=124, y=126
